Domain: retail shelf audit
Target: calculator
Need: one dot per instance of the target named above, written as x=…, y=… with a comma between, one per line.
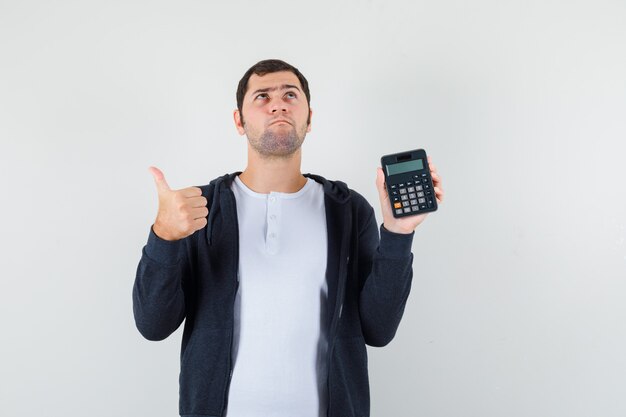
x=409, y=184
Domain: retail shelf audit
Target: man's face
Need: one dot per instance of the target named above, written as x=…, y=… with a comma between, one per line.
x=274, y=114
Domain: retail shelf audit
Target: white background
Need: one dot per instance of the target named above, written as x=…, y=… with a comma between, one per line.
x=517, y=306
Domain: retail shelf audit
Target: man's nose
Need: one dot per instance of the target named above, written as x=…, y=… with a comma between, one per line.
x=278, y=107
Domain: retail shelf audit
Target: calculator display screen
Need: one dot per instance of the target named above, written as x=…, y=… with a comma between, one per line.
x=402, y=167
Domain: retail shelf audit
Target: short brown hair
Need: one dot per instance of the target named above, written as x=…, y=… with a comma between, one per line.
x=269, y=66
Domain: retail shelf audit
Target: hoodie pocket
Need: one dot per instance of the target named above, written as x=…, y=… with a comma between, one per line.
x=350, y=395
x=204, y=372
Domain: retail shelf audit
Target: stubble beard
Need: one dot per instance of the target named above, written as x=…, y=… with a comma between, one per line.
x=280, y=143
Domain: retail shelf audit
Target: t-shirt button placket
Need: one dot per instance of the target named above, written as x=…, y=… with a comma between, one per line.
x=271, y=241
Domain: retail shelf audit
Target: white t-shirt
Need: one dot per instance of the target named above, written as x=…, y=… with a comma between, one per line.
x=280, y=337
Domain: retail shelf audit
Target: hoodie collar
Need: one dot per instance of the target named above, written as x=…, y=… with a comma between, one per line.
x=335, y=190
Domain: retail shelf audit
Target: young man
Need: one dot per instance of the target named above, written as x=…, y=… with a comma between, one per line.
x=282, y=277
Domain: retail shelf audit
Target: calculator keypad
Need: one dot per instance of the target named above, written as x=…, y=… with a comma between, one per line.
x=412, y=196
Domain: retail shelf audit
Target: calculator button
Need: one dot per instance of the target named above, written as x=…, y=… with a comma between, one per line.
x=402, y=190
x=416, y=177
x=415, y=208
x=413, y=202
x=409, y=183
x=397, y=205
x=426, y=187
x=399, y=211
x=421, y=200
x=424, y=175
x=420, y=194
x=401, y=185
x=405, y=204
x=412, y=195
x=394, y=192
x=393, y=186
x=430, y=203
x=429, y=192
x=407, y=209
x=411, y=189
x=422, y=206
x=425, y=180
x=404, y=197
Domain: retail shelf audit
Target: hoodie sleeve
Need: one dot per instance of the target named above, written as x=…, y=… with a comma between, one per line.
x=158, y=291
x=386, y=266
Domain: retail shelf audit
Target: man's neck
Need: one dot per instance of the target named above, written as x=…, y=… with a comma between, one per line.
x=263, y=175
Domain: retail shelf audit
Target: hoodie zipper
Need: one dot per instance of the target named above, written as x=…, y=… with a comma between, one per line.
x=335, y=323
x=232, y=331
x=338, y=310
x=230, y=357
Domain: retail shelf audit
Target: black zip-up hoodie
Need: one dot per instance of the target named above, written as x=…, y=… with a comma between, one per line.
x=195, y=278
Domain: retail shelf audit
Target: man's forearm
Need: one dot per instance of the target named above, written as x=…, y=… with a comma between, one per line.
x=158, y=296
x=386, y=288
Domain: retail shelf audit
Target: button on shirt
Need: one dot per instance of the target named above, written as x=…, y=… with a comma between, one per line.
x=280, y=340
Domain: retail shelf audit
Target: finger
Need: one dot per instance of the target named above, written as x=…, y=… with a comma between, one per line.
x=196, y=201
x=439, y=193
x=191, y=192
x=159, y=179
x=198, y=213
x=436, y=179
x=200, y=223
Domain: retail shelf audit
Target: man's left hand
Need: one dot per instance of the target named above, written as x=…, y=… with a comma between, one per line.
x=404, y=225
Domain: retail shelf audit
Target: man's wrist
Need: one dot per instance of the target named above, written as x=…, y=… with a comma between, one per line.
x=163, y=251
x=161, y=234
x=398, y=230
x=395, y=245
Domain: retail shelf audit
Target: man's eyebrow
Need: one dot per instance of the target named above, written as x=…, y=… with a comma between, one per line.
x=282, y=87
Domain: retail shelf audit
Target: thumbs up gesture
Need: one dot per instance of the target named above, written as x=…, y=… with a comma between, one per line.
x=181, y=212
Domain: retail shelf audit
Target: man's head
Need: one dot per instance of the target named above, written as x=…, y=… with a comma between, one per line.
x=269, y=66
x=275, y=100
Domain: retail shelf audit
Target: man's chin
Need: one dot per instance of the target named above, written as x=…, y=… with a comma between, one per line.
x=277, y=142
x=284, y=151
x=278, y=150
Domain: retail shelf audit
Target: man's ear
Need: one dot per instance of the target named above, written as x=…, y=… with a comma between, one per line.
x=238, y=124
x=308, y=128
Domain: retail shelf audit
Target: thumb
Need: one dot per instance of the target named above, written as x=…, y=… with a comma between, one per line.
x=159, y=179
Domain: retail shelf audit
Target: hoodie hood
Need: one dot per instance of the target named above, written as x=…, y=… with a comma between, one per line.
x=336, y=190
x=213, y=193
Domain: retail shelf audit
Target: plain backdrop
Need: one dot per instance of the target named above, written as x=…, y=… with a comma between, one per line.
x=517, y=306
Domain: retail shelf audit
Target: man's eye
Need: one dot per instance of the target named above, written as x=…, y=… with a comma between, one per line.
x=262, y=94
x=294, y=95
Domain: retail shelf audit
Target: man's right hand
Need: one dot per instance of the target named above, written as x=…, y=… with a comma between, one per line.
x=181, y=212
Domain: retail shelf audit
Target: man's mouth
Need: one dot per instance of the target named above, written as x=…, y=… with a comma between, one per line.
x=280, y=121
